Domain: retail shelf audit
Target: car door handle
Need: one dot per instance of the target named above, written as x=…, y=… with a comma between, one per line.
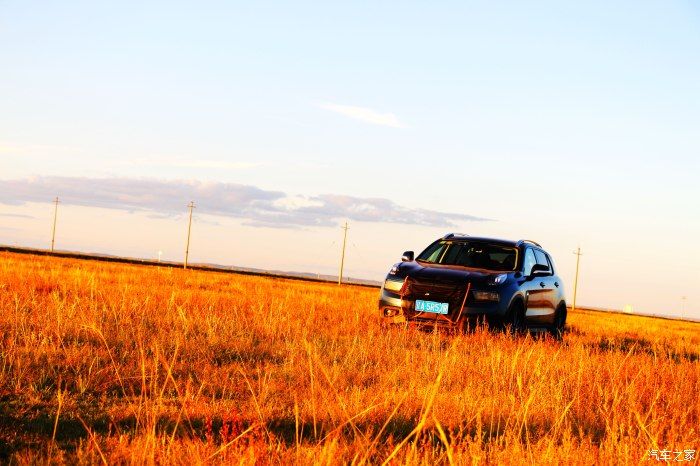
x=556, y=284
x=542, y=284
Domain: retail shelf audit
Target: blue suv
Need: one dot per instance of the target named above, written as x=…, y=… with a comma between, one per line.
x=460, y=280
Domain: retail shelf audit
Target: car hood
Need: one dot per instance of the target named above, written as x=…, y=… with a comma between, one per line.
x=442, y=273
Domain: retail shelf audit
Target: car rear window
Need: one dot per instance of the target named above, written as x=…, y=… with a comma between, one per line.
x=472, y=254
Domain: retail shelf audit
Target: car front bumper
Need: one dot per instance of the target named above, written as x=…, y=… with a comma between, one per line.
x=394, y=309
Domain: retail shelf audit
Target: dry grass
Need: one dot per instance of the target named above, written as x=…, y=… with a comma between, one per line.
x=120, y=363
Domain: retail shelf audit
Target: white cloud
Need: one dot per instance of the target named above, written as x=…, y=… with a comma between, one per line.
x=365, y=114
x=41, y=151
x=75, y=154
x=257, y=206
x=192, y=163
x=296, y=203
x=215, y=164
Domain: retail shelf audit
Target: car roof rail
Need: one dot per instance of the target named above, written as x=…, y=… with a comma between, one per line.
x=519, y=243
x=452, y=235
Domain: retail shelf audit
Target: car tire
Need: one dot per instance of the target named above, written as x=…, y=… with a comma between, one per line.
x=559, y=324
x=514, y=320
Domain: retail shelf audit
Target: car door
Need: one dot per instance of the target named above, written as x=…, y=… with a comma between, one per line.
x=547, y=293
x=535, y=307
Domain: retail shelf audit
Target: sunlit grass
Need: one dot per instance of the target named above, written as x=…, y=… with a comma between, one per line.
x=120, y=363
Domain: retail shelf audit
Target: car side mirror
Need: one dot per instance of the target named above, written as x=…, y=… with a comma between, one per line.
x=407, y=256
x=539, y=269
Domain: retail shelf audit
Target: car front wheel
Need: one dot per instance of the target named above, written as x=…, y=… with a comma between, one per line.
x=514, y=320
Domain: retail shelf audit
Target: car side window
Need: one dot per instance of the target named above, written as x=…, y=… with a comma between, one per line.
x=528, y=262
x=542, y=259
x=551, y=262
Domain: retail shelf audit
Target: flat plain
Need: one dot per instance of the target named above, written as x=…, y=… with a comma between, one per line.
x=116, y=363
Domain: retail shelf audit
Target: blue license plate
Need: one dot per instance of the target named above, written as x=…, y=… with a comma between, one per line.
x=431, y=306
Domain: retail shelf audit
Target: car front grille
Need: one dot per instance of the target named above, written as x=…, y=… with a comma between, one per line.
x=435, y=291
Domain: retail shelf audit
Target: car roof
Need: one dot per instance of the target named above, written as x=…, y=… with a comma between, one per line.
x=458, y=237
x=504, y=242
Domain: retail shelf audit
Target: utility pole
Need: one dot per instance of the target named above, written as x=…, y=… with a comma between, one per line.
x=578, y=257
x=189, y=230
x=55, y=214
x=342, y=256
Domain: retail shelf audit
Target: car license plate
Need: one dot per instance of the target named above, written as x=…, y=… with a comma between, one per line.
x=431, y=306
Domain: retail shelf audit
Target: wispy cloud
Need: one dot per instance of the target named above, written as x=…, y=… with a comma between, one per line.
x=15, y=148
x=195, y=163
x=365, y=114
x=16, y=215
x=257, y=206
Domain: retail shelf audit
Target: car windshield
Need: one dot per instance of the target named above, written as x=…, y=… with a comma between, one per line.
x=473, y=254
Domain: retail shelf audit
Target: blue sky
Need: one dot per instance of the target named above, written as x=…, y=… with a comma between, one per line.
x=574, y=123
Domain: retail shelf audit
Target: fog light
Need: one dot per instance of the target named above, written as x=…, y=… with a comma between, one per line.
x=486, y=296
x=389, y=312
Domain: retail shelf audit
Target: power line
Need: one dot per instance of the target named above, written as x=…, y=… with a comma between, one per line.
x=322, y=257
x=683, y=298
x=189, y=231
x=359, y=252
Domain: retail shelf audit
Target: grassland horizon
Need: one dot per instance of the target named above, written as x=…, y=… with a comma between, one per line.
x=285, y=274
x=120, y=363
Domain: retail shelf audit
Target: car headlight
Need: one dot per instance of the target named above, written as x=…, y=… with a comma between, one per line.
x=393, y=285
x=486, y=296
x=498, y=279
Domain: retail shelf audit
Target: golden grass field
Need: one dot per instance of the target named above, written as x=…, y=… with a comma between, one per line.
x=119, y=363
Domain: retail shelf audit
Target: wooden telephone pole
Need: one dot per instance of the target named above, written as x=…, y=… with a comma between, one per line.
x=189, y=231
x=578, y=256
x=342, y=256
x=55, y=215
